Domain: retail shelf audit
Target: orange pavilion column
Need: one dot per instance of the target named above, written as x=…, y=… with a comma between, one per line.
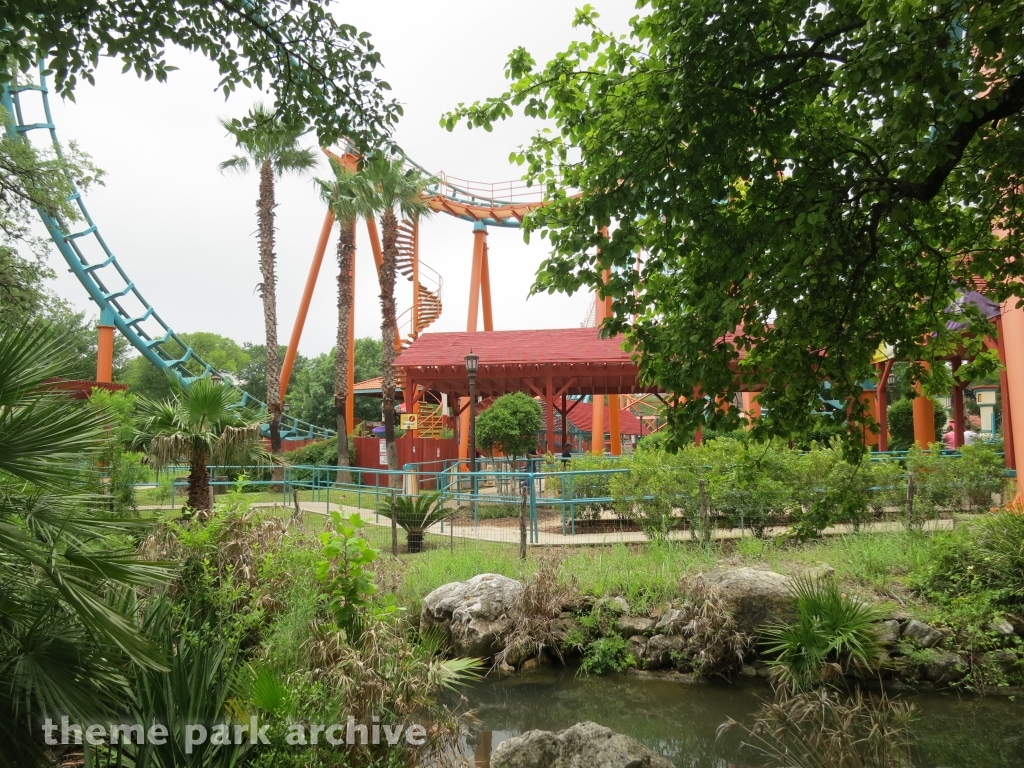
x=476, y=277
x=924, y=418
x=105, y=346
x=870, y=400
x=1012, y=339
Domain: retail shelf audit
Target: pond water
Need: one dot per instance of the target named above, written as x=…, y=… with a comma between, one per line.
x=678, y=719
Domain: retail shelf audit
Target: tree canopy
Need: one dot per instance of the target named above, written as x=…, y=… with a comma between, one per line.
x=817, y=179
x=511, y=424
x=319, y=71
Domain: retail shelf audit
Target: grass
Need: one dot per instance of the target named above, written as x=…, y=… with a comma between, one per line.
x=648, y=575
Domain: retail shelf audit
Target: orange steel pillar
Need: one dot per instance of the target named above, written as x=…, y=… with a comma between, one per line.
x=1012, y=340
x=751, y=408
x=924, y=418
x=477, y=277
x=105, y=346
x=602, y=308
x=870, y=398
x=307, y=295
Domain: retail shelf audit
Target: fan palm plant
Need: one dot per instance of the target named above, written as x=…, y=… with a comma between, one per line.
x=384, y=188
x=68, y=630
x=343, y=203
x=271, y=148
x=204, y=423
x=416, y=514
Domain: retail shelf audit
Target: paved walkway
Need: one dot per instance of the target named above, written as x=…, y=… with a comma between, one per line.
x=510, y=534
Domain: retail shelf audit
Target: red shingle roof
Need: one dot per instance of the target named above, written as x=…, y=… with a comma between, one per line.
x=563, y=345
x=583, y=417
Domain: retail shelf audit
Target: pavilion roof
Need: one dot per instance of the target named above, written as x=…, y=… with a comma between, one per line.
x=576, y=360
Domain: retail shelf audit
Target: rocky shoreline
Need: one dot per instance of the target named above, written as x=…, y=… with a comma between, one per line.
x=511, y=625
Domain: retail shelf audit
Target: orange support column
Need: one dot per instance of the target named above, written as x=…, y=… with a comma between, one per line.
x=307, y=295
x=475, y=279
x=614, y=434
x=870, y=399
x=549, y=397
x=924, y=418
x=105, y=346
x=1011, y=339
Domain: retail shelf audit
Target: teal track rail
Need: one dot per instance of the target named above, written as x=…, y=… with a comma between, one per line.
x=120, y=301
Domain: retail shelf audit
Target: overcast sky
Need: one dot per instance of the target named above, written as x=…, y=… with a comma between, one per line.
x=185, y=233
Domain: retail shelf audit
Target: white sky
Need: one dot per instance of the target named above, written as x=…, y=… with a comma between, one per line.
x=185, y=233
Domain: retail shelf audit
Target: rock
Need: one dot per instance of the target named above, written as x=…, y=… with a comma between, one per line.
x=944, y=668
x=1006, y=660
x=922, y=634
x=628, y=626
x=584, y=745
x=1017, y=622
x=663, y=651
x=754, y=597
x=617, y=606
x=748, y=671
x=818, y=572
x=1002, y=627
x=561, y=628
x=638, y=647
x=889, y=632
x=670, y=621
x=472, y=614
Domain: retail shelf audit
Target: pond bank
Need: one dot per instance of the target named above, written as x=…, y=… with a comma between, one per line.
x=678, y=717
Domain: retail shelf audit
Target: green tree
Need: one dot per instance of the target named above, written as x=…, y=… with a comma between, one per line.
x=203, y=424
x=383, y=187
x=369, y=356
x=65, y=563
x=337, y=194
x=272, y=149
x=253, y=377
x=817, y=179
x=123, y=467
x=319, y=70
x=312, y=395
x=224, y=354
x=511, y=424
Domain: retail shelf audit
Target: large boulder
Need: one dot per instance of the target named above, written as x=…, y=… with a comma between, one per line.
x=754, y=597
x=922, y=634
x=584, y=745
x=473, y=615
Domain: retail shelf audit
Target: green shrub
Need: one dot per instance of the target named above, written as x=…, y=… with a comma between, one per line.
x=607, y=654
x=832, y=634
x=900, y=417
x=592, y=483
x=983, y=556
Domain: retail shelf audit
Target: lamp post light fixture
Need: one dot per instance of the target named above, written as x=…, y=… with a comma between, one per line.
x=286, y=408
x=472, y=365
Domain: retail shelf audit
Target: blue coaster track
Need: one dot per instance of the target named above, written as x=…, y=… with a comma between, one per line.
x=121, y=303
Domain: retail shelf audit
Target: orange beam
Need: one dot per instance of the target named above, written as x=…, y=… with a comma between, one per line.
x=378, y=257
x=415, y=278
x=307, y=295
x=105, y=354
x=615, y=436
x=476, y=274
x=485, y=289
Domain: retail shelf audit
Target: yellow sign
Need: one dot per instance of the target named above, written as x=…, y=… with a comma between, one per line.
x=409, y=420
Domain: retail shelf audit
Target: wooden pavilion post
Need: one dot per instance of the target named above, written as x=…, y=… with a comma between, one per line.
x=958, y=407
x=549, y=398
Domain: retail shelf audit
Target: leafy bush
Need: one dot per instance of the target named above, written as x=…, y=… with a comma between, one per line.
x=595, y=484
x=985, y=556
x=511, y=424
x=832, y=634
x=607, y=654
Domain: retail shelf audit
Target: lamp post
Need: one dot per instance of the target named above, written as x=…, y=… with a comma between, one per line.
x=472, y=364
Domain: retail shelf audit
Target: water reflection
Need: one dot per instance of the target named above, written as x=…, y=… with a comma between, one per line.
x=679, y=719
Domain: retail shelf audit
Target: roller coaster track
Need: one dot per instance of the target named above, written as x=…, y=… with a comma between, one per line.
x=122, y=304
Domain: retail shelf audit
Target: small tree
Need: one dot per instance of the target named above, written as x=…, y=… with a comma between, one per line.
x=415, y=514
x=510, y=425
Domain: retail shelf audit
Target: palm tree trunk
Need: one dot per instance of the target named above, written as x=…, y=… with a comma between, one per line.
x=265, y=211
x=346, y=248
x=198, y=482
x=389, y=232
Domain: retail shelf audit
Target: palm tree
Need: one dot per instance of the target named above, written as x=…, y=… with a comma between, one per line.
x=383, y=187
x=416, y=514
x=273, y=149
x=337, y=193
x=67, y=568
x=204, y=423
